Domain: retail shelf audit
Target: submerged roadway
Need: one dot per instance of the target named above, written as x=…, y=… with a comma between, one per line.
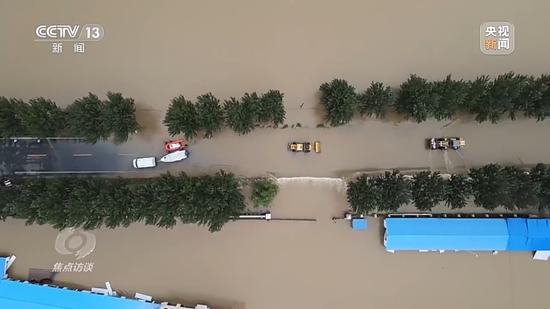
x=362, y=146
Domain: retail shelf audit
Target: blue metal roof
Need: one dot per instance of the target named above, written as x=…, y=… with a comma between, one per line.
x=517, y=229
x=538, y=231
x=17, y=294
x=446, y=234
x=359, y=224
x=476, y=234
x=3, y=265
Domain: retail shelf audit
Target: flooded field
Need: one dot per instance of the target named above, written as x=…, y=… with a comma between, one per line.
x=156, y=50
x=271, y=265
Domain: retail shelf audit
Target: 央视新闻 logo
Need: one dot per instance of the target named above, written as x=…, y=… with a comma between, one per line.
x=497, y=38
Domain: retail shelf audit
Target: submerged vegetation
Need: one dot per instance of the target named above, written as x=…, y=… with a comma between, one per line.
x=93, y=202
x=490, y=186
x=88, y=117
x=208, y=114
x=506, y=95
x=264, y=191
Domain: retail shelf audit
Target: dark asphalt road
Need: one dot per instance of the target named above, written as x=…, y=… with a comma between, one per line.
x=25, y=156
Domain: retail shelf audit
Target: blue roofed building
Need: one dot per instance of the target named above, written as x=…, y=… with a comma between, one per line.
x=538, y=231
x=23, y=294
x=441, y=234
x=517, y=229
x=359, y=224
x=468, y=234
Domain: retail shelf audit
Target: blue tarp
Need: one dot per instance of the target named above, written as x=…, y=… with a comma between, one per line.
x=16, y=294
x=359, y=224
x=446, y=234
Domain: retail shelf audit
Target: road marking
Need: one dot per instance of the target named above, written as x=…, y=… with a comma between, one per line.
x=127, y=154
x=82, y=155
x=52, y=138
x=70, y=172
x=37, y=155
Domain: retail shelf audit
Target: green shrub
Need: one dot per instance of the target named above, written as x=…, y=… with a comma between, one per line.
x=263, y=192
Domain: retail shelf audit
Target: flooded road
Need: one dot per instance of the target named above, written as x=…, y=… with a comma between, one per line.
x=155, y=50
x=269, y=265
x=363, y=146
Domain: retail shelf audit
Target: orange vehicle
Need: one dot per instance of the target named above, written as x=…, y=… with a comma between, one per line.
x=174, y=145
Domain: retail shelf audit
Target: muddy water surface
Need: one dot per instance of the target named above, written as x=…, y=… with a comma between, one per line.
x=288, y=264
x=155, y=50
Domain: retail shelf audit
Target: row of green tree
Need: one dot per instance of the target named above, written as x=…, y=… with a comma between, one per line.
x=88, y=117
x=93, y=202
x=208, y=115
x=418, y=99
x=490, y=186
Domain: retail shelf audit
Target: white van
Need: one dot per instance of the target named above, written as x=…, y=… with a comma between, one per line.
x=145, y=162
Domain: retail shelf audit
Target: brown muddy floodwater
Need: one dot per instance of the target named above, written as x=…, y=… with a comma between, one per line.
x=288, y=264
x=156, y=50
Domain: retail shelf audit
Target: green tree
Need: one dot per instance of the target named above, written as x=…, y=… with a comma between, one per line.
x=119, y=116
x=522, y=93
x=490, y=187
x=537, y=98
x=477, y=97
x=93, y=202
x=10, y=121
x=503, y=93
x=214, y=201
x=340, y=101
x=85, y=118
x=363, y=195
x=7, y=196
x=522, y=189
x=240, y=116
x=272, y=108
x=210, y=114
x=427, y=190
x=540, y=175
x=263, y=192
x=182, y=118
x=393, y=191
x=42, y=118
x=450, y=97
x=416, y=99
x=457, y=191
x=376, y=100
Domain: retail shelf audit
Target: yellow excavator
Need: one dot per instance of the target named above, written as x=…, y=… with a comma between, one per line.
x=305, y=146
